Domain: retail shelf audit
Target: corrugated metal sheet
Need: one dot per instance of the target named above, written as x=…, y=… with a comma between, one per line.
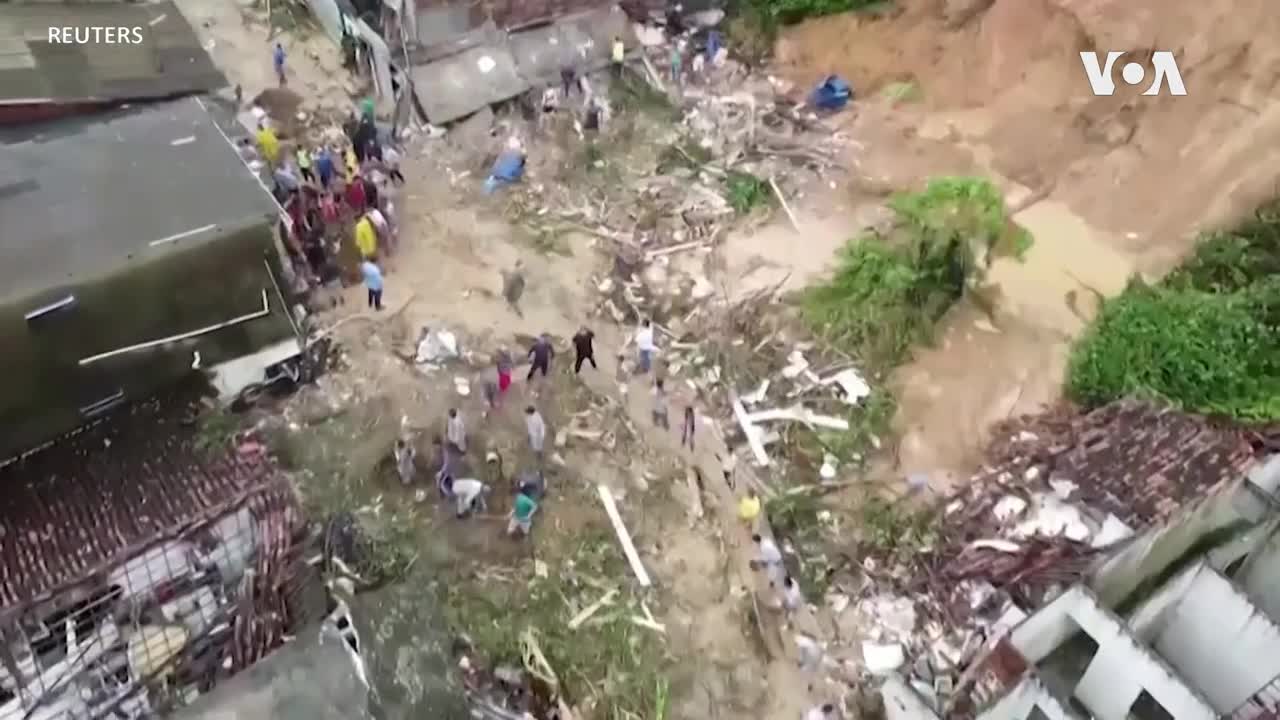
x=456, y=86
x=170, y=61
x=505, y=66
x=80, y=197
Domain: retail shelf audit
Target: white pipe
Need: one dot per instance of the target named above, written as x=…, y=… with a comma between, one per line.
x=266, y=310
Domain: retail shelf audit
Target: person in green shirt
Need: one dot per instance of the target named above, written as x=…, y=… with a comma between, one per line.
x=304, y=164
x=522, y=515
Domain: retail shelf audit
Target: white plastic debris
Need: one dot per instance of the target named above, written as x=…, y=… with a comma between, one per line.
x=828, y=469
x=1009, y=507
x=462, y=385
x=437, y=346
x=852, y=385
x=1113, y=530
x=882, y=659
x=796, y=364
x=1051, y=517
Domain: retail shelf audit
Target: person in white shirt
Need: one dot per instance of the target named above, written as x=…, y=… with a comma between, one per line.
x=769, y=559
x=470, y=494
x=792, y=597
x=645, y=346
x=455, y=431
x=391, y=161
x=536, y=428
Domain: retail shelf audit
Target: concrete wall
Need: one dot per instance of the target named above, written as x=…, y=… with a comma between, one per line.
x=1028, y=695
x=1260, y=576
x=1122, y=667
x=1160, y=550
x=509, y=14
x=1220, y=642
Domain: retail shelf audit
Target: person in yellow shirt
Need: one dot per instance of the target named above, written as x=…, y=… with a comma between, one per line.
x=353, y=165
x=366, y=238
x=749, y=508
x=268, y=144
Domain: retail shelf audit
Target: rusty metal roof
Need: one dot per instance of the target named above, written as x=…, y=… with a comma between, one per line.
x=169, y=62
x=88, y=501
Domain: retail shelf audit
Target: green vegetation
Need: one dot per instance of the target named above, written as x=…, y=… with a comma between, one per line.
x=746, y=192
x=609, y=661
x=890, y=290
x=753, y=25
x=895, y=530
x=1206, y=339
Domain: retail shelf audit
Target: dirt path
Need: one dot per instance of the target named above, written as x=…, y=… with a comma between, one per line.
x=788, y=693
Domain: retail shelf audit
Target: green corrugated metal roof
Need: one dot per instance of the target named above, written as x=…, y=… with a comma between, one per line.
x=169, y=61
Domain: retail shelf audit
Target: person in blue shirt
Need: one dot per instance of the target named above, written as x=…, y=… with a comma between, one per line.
x=372, y=282
x=324, y=167
x=277, y=60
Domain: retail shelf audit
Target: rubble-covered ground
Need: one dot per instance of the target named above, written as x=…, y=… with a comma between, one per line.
x=702, y=211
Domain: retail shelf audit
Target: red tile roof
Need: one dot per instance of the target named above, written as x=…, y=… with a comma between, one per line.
x=87, y=502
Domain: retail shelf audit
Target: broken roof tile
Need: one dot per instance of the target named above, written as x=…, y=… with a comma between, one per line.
x=86, y=502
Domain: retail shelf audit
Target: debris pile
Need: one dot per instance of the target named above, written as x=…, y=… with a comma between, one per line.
x=1057, y=489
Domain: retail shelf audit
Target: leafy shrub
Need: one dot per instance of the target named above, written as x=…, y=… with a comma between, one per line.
x=889, y=291
x=1206, y=339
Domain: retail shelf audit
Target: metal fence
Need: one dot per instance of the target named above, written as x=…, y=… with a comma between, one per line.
x=168, y=622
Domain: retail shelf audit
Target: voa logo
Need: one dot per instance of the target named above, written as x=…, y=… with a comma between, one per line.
x=1166, y=73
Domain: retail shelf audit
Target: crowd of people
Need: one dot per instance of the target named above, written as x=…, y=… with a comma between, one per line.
x=338, y=197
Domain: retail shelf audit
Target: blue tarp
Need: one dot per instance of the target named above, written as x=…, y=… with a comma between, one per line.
x=833, y=94
x=508, y=168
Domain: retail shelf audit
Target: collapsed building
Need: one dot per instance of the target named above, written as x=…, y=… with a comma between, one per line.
x=1147, y=538
x=140, y=565
x=143, y=559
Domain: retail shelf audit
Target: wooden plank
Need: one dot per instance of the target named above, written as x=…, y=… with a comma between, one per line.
x=624, y=537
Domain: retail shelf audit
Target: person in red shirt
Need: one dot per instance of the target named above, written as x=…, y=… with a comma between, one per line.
x=356, y=195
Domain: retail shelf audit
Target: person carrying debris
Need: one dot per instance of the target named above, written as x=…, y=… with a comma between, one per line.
x=522, y=511
x=769, y=558
x=536, y=428
x=404, y=456
x=372, y=282
x=455, y=431
x=660, y=418
x=469, y=494
x=540, y=355
x=583, y=349
x=277, y=61
x=618, y=56
x=513, y=287
x=502, y=360
x=645, y=346
x=687, y=427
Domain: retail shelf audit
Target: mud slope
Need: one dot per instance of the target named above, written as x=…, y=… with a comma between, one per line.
x=1008, y=80
x=1124, y=182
